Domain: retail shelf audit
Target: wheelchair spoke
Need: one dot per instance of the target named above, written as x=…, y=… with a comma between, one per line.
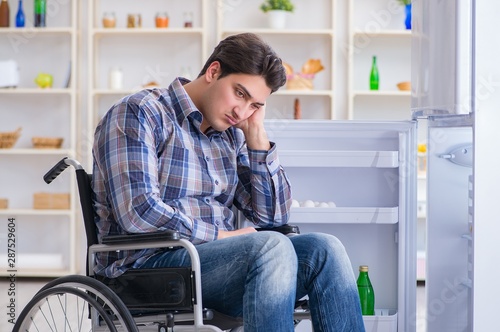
x=65, y=309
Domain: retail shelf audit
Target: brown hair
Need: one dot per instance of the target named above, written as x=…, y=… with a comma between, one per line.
x=247, y=53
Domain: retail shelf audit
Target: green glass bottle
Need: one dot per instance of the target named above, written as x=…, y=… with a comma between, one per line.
x=366, y=294
x=374, y=79
x=40, y=11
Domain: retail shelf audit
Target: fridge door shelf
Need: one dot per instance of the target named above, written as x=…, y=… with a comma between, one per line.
x=344, y=215
x=323, y=158
x=383, y=321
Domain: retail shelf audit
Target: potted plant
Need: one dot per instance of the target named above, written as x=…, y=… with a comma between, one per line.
x=277, y=11
x=407, y=4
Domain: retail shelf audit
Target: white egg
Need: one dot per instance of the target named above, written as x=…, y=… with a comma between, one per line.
x=332, y=204
x=308, y=203
x=295, y=203
x=323, y=205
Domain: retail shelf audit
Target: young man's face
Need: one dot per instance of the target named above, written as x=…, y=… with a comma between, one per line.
x=232, y=99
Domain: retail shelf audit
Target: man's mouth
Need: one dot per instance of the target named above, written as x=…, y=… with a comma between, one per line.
x=231, y=120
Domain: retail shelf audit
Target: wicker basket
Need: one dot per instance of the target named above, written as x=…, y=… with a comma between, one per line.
x=8, y=139
x=300, y=82
x=51, y=201
x=47, y=142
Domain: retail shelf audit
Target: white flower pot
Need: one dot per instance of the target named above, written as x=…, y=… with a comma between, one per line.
x=277, y=19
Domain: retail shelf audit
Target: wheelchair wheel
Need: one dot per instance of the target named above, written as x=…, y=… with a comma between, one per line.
x=102, y=309
x=63, y=309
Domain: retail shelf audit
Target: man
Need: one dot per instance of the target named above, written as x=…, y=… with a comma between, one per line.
x=180, y=158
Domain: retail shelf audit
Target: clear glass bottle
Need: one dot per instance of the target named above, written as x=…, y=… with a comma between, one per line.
x=374, y=78
x=188, y=19
x=4, y=14
x=40, y=12
x=20, y=18
x=366, y=294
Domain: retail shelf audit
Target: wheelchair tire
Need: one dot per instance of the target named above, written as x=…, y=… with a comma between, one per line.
x=63, y=309
x=105, y=298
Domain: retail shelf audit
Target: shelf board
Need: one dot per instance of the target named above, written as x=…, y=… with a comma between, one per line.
x=142, y=31
x=45, y=273
x=263, y=31
x=323, y=158
x=27, y=152
x=285, y=92
x=381, y=93
x=31, y=31
x=344, y=215
x=33, y=212
x=37, y=91
x=120, y=92
x=383, y=33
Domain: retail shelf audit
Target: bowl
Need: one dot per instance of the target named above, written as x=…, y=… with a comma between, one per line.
x=404, y=86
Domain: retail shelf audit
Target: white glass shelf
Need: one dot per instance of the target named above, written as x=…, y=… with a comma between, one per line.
x=344, y=215
x=322, y=158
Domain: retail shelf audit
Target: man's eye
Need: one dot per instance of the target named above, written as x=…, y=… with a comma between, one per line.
x=239, y=93
x=255, y=106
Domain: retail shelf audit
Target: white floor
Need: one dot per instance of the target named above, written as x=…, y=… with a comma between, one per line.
x=25, y=288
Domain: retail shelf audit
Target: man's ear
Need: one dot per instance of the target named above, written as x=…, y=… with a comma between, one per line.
x=213, y=71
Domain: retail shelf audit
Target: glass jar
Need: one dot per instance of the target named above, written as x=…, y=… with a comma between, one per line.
x=188, y=19
x=162, y=20
x=109, y=20
x=134, y=21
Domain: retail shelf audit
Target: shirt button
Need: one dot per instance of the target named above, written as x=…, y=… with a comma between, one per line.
x=207, y=158
x=217, y=222
x=216, y=182
x=207, y=200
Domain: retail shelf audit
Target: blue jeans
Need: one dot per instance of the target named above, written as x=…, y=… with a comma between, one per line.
x=259, y=276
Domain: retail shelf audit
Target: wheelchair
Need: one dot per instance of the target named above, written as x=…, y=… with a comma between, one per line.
x=160, y=300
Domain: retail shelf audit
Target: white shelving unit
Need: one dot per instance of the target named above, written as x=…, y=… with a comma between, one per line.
x=376, y=28
x=314, y=39
x=45, y=239
x=144, y=54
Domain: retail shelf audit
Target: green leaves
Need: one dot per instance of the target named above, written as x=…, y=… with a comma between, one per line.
x=278, y=5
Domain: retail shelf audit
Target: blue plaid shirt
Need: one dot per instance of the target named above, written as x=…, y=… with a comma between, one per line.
x=155, y=170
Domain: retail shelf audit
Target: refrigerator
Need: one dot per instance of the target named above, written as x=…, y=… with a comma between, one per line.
x=357, y=179
x=455, y=89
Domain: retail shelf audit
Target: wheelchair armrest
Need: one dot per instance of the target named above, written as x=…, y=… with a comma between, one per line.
x=283, y=229
x=166, y=235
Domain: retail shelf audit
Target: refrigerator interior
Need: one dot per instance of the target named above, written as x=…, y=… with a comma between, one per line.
x=367, y=169
x=449, y=227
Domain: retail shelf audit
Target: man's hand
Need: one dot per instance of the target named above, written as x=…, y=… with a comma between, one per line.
x=254, y=131
x=241, y=231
